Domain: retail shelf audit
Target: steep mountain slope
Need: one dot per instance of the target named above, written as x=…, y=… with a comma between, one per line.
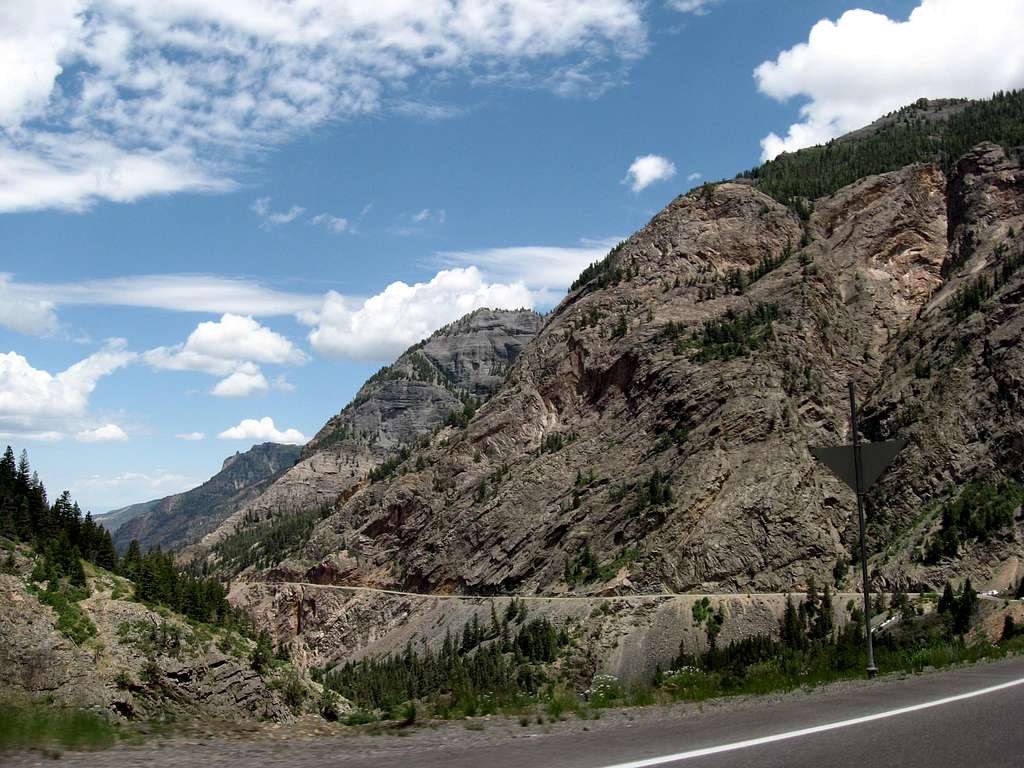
x=954, y=386
x=443, y=377
x=178, y=520
x=654, y=435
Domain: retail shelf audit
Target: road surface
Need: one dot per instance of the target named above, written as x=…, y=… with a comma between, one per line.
x=965, y=717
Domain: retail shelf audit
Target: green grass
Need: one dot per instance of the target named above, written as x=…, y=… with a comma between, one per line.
x=72, y=621
x=39, y=726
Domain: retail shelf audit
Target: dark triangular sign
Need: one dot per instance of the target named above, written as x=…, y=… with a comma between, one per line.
x=875, y=458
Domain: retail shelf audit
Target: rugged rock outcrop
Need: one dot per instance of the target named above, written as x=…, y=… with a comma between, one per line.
x=176, y=521
x=401, y=404
x=138, y=663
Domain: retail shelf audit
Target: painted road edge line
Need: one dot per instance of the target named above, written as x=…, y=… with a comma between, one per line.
x=704, y=752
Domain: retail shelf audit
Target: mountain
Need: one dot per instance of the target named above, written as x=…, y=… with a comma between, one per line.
x=176, y=521
x=653, y=436
x=442, y=378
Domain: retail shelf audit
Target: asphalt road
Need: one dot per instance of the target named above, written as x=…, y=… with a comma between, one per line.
x=966, y=717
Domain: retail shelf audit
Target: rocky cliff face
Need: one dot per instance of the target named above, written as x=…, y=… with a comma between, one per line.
x=653, y=436
x=176, y=521
x=401, y=404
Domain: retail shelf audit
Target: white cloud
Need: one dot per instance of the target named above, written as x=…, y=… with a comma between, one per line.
x=37, y=36
x=263, y=429
x=226, y=346
x=334, y=224
x=241, y=383
x=191, y=436
x=30, y=307
x=697, y=7
x=694, y=176
x=865, y=64
x=539, y=267
x=270, y=219
x=105, y=434
x=229, y=347
x=648, y=169
x=25, y=314
x=382, y=326
x=47, y=436
x=116, y=100
x=281, y=384
x=422, y=215
x=155, y=481
x=74, y=172
x=34, y=401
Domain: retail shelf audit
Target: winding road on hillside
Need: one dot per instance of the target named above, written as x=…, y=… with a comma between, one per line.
x=964, y=717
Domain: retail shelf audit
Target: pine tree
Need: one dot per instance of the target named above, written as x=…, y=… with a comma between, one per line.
x=24, y=470
x=8, y=470
x=131, y=564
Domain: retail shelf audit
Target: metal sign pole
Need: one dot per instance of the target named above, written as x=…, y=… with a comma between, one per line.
x=859, y=489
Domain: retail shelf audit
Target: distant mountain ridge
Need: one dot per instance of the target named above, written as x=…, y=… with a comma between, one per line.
x=182, y=518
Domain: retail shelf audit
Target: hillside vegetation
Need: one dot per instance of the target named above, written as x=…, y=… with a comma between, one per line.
x=910, y=138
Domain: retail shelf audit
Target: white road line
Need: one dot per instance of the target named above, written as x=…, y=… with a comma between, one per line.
x=810, y=731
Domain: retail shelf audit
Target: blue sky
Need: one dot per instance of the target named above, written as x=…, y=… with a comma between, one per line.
x=205, y=208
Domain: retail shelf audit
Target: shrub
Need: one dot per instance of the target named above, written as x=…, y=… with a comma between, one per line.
x=293, y=691
x=359, y=717
x=36, y=725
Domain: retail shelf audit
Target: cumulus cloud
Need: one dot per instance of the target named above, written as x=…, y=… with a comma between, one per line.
x=34, y=401
x=230, y=347
x=111, y=100
x=242, y=383
x=105, y=434
x=863, y=65
x=191, y=436
x=648, y=169
x=382, y=326
x=226, y=346
x=262, y=429
x=694, y=176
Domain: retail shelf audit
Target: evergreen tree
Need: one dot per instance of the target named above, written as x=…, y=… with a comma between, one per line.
x=131, y=564
x=966, y=607
x=824, y=620
x=263, y=653
x=948, y=599
x=792, y=631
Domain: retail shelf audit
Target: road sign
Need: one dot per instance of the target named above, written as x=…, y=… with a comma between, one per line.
x=875, y=458
x=859, y=466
